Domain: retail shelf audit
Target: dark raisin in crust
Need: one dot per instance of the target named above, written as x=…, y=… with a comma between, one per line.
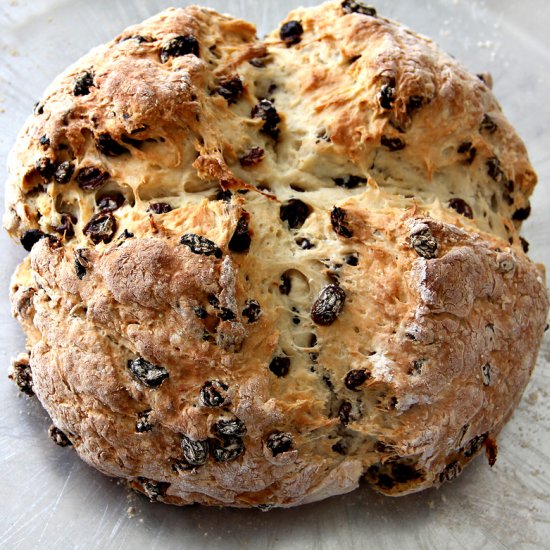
x=229, y=448
x=22, y=377
x=353, y=6
x=252, y=311
x=252, y=157
x=230, y=89
x=294, y=212
x=91, y=178
x=350, y=182
x=178, y=46
x=424, y=243
x=280, y=365
x=241, y=239
x=462, y=207
x=329, y=305
x=64, y=172
x=147, y=373
x=214, y=393
x=267, y=112
x=339, y=224
x=160, y=208
x=355, y=378
x=110, y=203
x=195, y=453
x=83, y=83
x=31, y=237
x=291, y=32
x=201, y=245
x=101, y=227
x=59, y=437
x=279, y=442
x=233, y=427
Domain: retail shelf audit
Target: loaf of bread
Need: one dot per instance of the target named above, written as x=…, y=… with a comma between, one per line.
x=261, y=271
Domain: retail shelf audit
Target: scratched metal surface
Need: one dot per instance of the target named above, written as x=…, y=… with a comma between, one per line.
x=50, y=499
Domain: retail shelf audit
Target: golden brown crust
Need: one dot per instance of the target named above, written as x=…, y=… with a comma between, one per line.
x=341, y=265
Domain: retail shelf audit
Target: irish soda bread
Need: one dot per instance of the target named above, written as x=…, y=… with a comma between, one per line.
x=262, y=271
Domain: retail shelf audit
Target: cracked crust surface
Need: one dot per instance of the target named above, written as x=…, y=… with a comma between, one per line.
x=341, y=264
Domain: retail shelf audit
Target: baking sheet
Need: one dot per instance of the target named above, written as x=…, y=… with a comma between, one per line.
x=50, y=499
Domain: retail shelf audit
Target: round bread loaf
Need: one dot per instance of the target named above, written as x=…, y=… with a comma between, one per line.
x=262, y=271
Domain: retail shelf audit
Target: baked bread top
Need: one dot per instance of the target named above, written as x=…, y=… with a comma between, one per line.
x=260, y=271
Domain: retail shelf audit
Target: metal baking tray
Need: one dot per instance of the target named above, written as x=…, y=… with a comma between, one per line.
x=51, y=499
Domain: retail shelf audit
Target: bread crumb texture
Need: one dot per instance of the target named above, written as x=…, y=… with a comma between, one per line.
x=262, y=271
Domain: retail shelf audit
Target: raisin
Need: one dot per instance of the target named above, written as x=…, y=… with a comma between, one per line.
x=286, y=285
x=339, y=224
x=240, y=240
x=450, y=472
x=486, y=374
x=488, y=125
x=462, y=207
x=415, y=368
x=291, y=33
x=80, y=262
x=473, y=446
x=340, y=447
x=159, y=208
x=229, y=427
x=252, y=311
x=110, y=203
x=402, y=473
x=91, y=178
x=349, y=182
x=195, y=453
x=143, y=424
x=21, y=375
x=295, y=212
x=83, y=83
x=355, y=378
x=253, y=156
x=494, y=170
x=279, y=442
x=304, y=244
x=329, y=305
x=200, y=312
x=466, y=147
x=101, y=227
x=108, y=146
x=257, y=62
x=524, y=244
x=386, y=97
x=353, y=6
x=230, y=89
x=201, y=245
x=267, y=112
x=224, y=195
x=45, y=168
x=226, y=314
x=522, y=214
x=424, y=243
x=344, y=412
x=125, y=235
x=352, y=259
x=65, y=226
x=214, y=393
x=44, y=141
x=58, y=437
x=415, y=102
x=31, y=237
x=154, y=489
x=148, y=374
x=64, y=172
x=178, y=46
x=491, y=451
x=280, y=365
x=392, y=144
x=228, y=449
